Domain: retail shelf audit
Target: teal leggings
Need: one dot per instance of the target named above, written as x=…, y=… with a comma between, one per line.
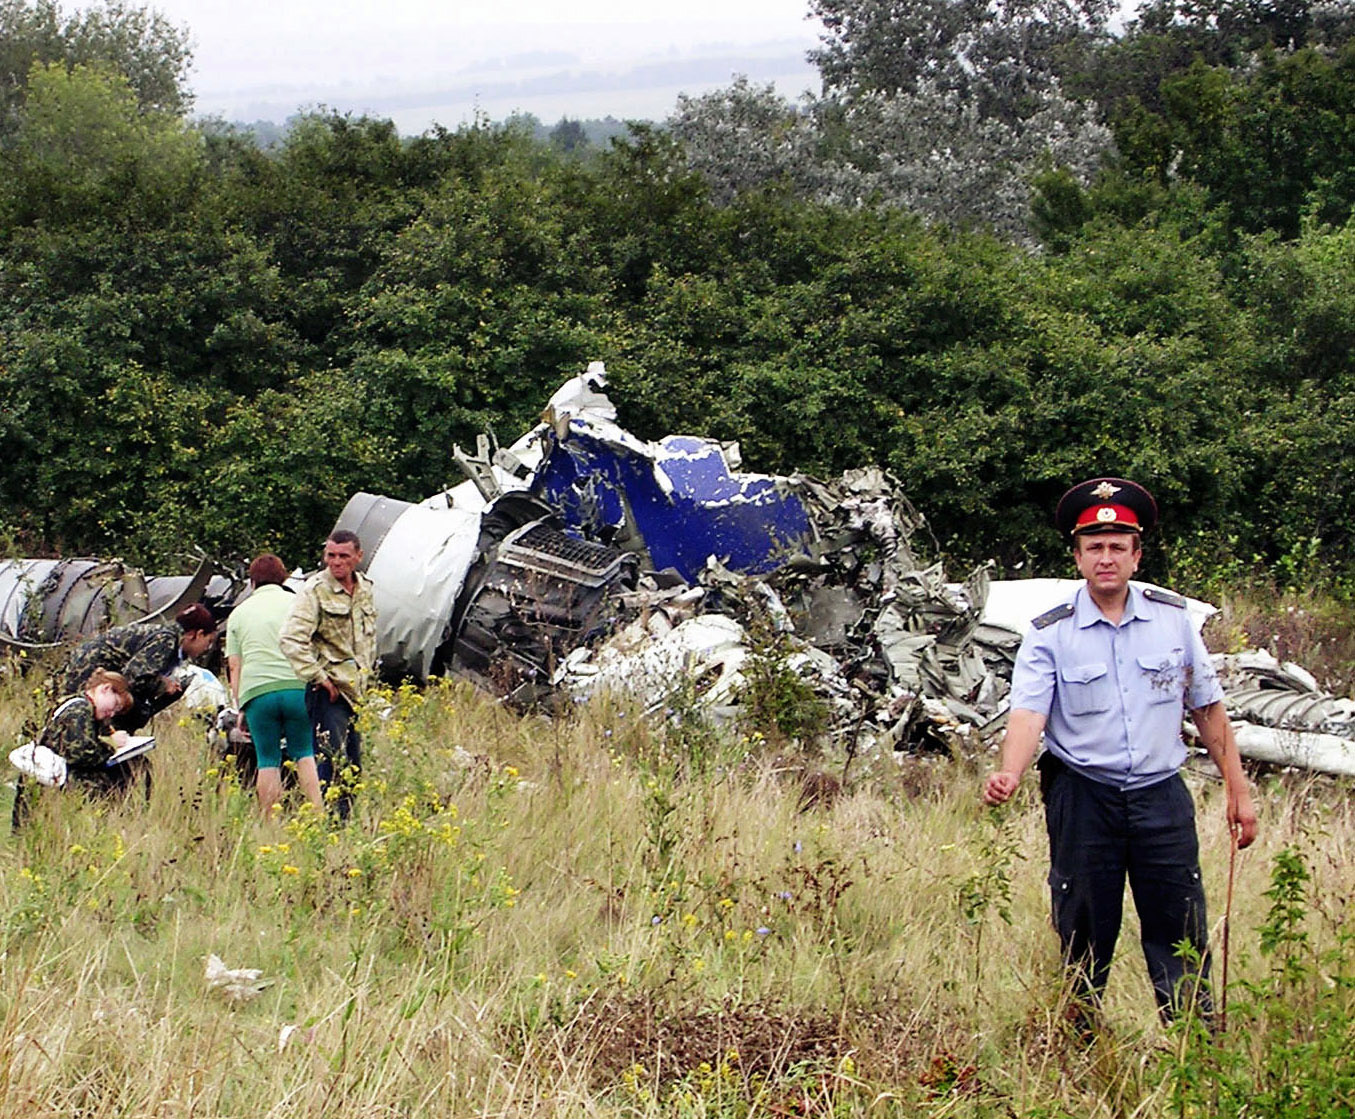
x=274, y=716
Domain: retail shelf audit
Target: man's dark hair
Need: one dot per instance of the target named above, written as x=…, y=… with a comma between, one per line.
x=344, y=536
x=267, y=570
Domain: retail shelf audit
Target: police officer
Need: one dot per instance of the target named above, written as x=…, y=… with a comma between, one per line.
x=1106, y=677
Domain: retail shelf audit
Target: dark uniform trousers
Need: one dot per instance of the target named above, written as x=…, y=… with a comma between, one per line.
x=1098, y=836
x=338, y=746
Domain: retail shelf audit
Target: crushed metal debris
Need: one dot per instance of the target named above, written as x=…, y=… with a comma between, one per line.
x=581, y=561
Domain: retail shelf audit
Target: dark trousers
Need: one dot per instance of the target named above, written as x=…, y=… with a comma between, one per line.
x=1099, y=836
x=338, y=746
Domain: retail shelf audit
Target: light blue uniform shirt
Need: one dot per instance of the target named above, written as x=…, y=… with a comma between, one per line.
x=1114, y=696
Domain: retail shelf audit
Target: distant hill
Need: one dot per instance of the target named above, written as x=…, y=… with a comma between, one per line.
x=549, y=85
x=568, y=133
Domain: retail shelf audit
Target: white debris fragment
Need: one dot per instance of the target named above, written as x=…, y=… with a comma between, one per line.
x=238, y=984
x=1323, y=753
x=709, y=649
x=202, y=688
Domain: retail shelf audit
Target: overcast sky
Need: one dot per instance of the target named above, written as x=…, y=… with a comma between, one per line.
x=425, y=61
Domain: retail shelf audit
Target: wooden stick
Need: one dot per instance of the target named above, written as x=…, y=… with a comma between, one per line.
x=1227, y=926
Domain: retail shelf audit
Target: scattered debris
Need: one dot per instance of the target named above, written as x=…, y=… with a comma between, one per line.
x=582, y=560
x=1281, y=716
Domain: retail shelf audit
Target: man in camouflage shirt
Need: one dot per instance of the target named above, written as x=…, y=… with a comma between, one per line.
x=146, y=655
x=330, y=640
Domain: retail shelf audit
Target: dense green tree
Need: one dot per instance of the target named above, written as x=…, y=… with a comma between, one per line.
x=137, y=42
x=569, y=135
x=83, y=150
x=1002, y=56
x=744, y=138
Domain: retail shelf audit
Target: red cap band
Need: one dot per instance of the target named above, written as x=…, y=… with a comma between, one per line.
x=1106, y=515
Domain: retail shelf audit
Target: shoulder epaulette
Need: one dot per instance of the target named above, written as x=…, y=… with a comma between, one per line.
x=1049, y=617
x=1167, y=598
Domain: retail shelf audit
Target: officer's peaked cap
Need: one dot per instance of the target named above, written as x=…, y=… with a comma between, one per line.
x=1105, y=505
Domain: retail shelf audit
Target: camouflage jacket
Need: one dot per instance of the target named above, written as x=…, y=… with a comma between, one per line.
x=73, y=732
x=143, y=653
x=331, y=634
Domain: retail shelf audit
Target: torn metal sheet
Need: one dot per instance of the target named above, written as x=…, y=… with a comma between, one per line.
x=1322, y=753
x=171, y=593
x=1301, y=702
x=581, y=560
x=709, y=650
x=46, y=602
x=675, y=502
x=418, y=558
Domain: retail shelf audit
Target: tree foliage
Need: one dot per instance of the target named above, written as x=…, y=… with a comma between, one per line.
x=84, y=148
x=139, y=43
x=208, y=344
x=942, y=107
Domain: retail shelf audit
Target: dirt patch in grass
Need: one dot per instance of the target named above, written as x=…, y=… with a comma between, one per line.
x=756, y=1042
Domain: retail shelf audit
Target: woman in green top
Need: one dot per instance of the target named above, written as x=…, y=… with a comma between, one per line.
x=272, y=700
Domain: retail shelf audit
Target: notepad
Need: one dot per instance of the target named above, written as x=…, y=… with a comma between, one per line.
x=137, y=744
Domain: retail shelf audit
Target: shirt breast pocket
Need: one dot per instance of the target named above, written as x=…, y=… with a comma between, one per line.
x=1086, y=689
x=336, y=622
x=1164, y=676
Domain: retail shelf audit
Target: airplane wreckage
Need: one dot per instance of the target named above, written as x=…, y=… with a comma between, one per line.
x=581, y=560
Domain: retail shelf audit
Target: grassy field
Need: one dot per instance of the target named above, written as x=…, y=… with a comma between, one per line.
x=599, y=916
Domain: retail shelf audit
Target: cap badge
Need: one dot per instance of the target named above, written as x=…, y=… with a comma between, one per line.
x=1104, y=491
x=1105, y=513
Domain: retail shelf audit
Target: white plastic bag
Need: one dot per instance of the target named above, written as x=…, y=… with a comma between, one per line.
x=45, y=766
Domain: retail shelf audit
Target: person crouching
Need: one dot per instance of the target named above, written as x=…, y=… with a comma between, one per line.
x=77, y=730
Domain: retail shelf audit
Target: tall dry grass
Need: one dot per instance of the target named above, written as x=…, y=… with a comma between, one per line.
x=584, y=916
